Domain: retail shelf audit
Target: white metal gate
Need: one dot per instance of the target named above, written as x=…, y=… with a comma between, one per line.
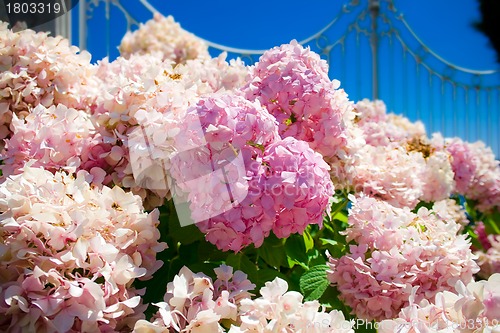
x=375, y=53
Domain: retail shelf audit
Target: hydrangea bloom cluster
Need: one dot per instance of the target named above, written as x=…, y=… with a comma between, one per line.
x=489, y=256
x=122, y=86
x=390, y=158
x=212, y=75
x=164, y=37
x=145, y=94
x=389, y=173
x=292, y=83
x=70, y=253
x=474, y=307
x=477, y=173
x=280, y=310
x=54, y=138
x=397, y=249
x=383, y=129
x=256, y=181
x=195, y=303
x=296, y=186
x=38, y=69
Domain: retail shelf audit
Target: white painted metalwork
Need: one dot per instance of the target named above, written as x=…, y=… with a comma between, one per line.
x=446, y=97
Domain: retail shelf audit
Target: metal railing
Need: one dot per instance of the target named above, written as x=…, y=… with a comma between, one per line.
x=375, y=53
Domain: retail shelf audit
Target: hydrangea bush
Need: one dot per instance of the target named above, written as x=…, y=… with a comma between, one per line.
x=169, y=191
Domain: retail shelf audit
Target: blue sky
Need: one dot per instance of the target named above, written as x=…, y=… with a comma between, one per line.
x=445, y=26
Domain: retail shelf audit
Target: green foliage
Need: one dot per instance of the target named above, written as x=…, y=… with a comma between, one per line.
x=313, y=283
x=299, y=259
x=272, y=252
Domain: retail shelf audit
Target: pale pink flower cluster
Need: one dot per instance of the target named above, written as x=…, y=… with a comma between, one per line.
x=292, y=83
x=438, y=177
x=142, y=96
x=472, y=307
x=489, y=256
x=38, y=69
x=55, y=138
x=394, y=160
x=477, y=173
x=122, y=86
x=388, y=173
x=280, y=310
x=450, y=210
x=164, y=37
x=383, y=129
x=194, y=302
x=213, y=75
x=397, y=249
x=70, y=252
x=267, y=184
x=489, y=260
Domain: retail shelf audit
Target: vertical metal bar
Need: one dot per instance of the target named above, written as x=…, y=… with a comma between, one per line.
x=108, y=29
x=478, y=115
x=374, y=7
x=443, y=110
x=358, y=69
x=454, y=110
x=489, y=120
x=429, y=111
x=82, y=25
x=392, y=75
x=467, y=107
x=498, y=120
x=405, y=95
x=63, y=23
x=417, y=93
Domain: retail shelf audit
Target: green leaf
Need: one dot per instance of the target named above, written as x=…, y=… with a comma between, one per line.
x=492, y=223
x=325, y=241
x=341, y=216
x=474, y=239
x=272, y=252
x=185, y=235
x=314, y=282
x=308, y=240
x=366, y=327
x=295, y=250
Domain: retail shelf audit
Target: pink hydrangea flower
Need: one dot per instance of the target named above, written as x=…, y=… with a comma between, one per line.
x=38, y=69
x=220, y=144
x=296, y=186
x=388, y=173
x=292, y=83
x=143, y=96
x=489, y=256
x=195, y=303
x=70, y=252
x=260, y=170
x=165, y=37
x=281, y=310
x=397, y=249
x=54, y=138
x=389, y=157
x=383, y=129
x=477, y=173
x=213, y=75
x=474, y=307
